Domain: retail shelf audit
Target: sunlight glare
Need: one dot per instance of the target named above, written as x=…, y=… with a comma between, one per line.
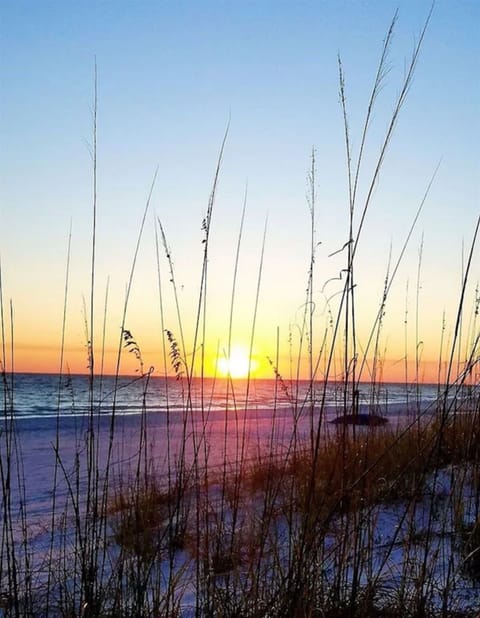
x=238, y=364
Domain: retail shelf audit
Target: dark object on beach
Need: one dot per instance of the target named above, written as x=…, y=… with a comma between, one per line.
x=368, y=420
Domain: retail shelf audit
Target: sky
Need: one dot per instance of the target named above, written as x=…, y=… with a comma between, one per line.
x=171, y=76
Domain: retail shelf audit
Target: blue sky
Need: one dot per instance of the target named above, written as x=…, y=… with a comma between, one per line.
x=170, y=76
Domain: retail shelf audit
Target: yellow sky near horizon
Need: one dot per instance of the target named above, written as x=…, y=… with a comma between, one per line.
x=268, y=355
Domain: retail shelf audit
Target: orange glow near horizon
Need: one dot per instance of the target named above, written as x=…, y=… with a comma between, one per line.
x=36, y=360
x=44, y=358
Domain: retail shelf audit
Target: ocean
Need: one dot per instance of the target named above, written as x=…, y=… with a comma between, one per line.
x=43, y=396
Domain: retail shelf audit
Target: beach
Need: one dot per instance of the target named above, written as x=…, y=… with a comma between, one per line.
x=147, y=433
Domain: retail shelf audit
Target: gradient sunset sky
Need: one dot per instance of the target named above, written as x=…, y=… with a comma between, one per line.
x=171, y=75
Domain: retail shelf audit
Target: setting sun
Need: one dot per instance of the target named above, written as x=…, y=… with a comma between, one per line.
x=238, y=364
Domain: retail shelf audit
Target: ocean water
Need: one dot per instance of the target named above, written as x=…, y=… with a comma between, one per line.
x=43, y=396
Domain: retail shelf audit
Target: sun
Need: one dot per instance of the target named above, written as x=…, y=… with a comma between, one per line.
x=238, y=364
